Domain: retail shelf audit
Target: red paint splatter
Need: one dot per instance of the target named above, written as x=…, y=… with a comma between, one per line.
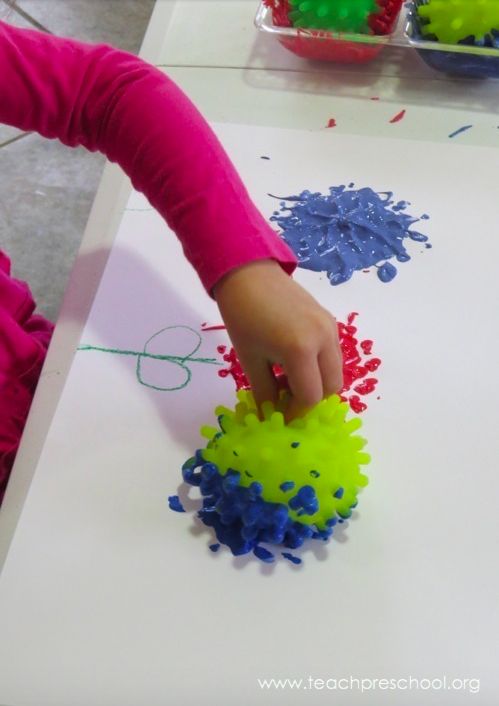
x=397, y=118
x=220, y=327
x=367, y=346
x=372, y=364
x=238, y=375
x=367, y=386
x=331, y=122
x=234, y=369
x=383, y=21
x=356, y=405
x=280, y=12
x=356, y=366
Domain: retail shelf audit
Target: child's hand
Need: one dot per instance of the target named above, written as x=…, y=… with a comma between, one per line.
x=272, y=319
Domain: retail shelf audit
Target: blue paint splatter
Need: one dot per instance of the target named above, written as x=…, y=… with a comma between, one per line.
x=287, y=485
x=347, y=230
x=242, y=519
x=214, y=547
x=290, y=557
x=263, y=554
x=460, y=130
x=339, y=493
x=387, y=272
x=305, y=501
x=175, y=504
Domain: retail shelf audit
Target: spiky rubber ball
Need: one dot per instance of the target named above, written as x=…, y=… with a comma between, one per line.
x=452, y=21
x=263, y=480
x=335, y=15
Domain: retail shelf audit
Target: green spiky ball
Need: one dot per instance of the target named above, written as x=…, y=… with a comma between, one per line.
x=451, y=21
x=333, y=15
x=319, y=450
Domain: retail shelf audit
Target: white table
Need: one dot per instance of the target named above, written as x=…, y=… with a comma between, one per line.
x=235, y=76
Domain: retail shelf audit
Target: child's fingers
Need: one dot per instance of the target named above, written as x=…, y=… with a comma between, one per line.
x=331, y=367
x=305, y=383
x=263, y=382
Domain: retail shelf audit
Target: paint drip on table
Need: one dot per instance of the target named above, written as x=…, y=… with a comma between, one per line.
x=359, y=364
x=348, y=230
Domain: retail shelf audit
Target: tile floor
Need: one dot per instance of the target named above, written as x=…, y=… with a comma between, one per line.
x=46, y=189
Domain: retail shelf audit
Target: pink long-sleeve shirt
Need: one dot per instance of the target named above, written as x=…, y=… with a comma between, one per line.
x=110, y=101
x=113, y=102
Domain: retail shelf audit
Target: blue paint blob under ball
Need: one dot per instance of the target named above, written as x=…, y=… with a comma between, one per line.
x=175, y=504
x=290, y=557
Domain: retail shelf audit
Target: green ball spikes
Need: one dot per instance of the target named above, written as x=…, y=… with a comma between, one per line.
x=319, y=451
x=451, y=21
x=333, y=15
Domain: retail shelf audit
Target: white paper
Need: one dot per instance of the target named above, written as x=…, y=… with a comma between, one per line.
x=108, y=598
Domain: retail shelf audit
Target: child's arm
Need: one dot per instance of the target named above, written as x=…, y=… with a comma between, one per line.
x=111, y=101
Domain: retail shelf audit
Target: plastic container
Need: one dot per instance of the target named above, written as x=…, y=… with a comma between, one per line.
x=324, y=46
x=459, y=59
